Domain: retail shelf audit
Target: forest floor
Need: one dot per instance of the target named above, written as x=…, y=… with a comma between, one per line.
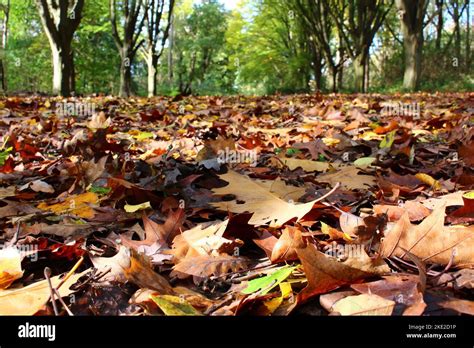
x=306, y=204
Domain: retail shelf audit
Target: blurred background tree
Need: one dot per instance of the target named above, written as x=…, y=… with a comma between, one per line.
x=257, y=47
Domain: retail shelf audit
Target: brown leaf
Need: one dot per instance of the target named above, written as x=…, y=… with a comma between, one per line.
x=205, y=266
x=325, y=273
x=416, y=211
x=431, y=241
x=285, y=247
x=349, y=177
x=267, y=208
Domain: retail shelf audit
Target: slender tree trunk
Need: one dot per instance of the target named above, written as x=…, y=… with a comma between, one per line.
x=125, y=75
x=152, y=63
x=468, y=36
x=413, y=48
x=334, y=72
x=440, y=24
x=359, y=73
x=457, y=32
x=170, y=51
x=412, y=13
x=3, y=45
x=63, y=68
x=340, y=78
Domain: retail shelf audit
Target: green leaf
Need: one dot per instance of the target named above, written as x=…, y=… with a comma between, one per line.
x=469, y=195
x=267, y=283
x=291, y=152
x=174, y=305
x=143, y=135
x=387, y=142
x=100, y=190
x=133, y=208
x=364, y=162
x=4, y=155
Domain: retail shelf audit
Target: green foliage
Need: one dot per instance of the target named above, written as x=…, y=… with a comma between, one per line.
x=260, y=47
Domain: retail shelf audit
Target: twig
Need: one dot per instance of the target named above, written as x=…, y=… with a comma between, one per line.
x=329, y=193
x=58, y=295
x=71, y=272
x=17, y=234
x=47, y=274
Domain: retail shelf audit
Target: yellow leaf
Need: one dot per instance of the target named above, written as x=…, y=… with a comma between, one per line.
x=174, y=305
x=273, y=304
x=365, y=304
x=76, y=205
x=429, y=180
x=133, y=208
x=330, y=141
x=10, y=267
x=30, y=299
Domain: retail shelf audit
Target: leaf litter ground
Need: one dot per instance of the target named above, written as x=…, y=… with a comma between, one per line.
x=305, y=204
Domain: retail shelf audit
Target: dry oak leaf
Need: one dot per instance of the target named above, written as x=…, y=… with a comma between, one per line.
x=306, y=165
x=449, y=200
x=140, y=272
x=325, y=273
x=365, y=304
x=158, y=233
x=282, y=190
x=30, y=299
x=267, y=208
x=76, y=205
x=416, y=211
x=349, y=177
x=285, y=247
x=401, y=288
x=201, y=240
x=202, y=267
x=430, y=241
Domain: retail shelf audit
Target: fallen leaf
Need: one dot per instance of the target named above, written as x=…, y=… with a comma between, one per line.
x=30, y=299
x=265, y=206
x=173, y=305
x=76, y=205
x=365, y=304
x=349, y=177
x=134, y=208
x=326, y=273
x=265, y=284
x=202, y=267
x=430, y=241
x=10, y=266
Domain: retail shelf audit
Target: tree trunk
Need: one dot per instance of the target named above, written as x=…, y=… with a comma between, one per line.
x=63, y=67
x=440, y=24
x=412, y=13
x=413, y=48
x=60, y=22
x=125, y=77
x=457, y=32
x=468, y=36
x=359, y=73
x=152, y=63
x=334, y=72
x=340, y=78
